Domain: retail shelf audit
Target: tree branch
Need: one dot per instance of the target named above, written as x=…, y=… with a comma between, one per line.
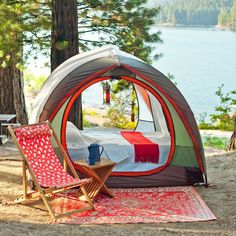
x=94, y=41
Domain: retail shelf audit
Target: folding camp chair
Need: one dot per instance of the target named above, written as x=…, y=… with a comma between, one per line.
x=44, y=167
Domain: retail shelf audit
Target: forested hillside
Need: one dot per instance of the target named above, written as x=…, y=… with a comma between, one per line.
x=227, y=17
x=193, y=12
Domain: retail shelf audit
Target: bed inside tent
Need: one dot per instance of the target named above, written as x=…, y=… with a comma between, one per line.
x=150, y=130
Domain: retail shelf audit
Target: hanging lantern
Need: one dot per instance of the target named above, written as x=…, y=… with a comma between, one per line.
x=106, y=93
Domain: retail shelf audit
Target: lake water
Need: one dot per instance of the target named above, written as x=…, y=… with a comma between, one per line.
x=200, y=59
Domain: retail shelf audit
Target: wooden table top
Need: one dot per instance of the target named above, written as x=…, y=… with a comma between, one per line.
x=7, y=117
x=103, y=163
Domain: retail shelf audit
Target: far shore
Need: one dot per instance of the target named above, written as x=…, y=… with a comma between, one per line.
x=99, y=118
x=218, y=27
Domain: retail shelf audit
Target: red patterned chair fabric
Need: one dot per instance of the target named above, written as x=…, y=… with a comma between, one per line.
x=33, y=131
x=36, y=145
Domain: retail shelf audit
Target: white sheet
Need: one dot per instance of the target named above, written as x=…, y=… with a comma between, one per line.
x=119, y=150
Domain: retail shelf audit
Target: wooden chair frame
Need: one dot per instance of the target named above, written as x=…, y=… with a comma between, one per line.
x=42, y=192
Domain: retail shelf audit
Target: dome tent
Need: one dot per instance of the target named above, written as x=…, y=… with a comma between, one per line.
x=170, y=113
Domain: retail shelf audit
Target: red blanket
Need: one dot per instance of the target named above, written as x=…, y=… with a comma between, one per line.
x=145, y=150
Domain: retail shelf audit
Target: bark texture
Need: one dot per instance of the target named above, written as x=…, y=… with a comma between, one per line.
x=6, y=91
x=232, y=142
x=12, y=100
x=19, y=97
x=64, y=31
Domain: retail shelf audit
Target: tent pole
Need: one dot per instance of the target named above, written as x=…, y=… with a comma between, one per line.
x=205, y=180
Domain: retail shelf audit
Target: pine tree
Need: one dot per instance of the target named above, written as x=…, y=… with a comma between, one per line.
x=17, y=18
x=10, y=56
x=124, y=23
x=65, y=44
x=233, y=14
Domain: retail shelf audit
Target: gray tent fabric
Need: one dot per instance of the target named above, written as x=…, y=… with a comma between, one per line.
x=90, y=68
x=81, y=70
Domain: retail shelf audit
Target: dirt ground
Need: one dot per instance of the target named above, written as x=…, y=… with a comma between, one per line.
x=34, y=220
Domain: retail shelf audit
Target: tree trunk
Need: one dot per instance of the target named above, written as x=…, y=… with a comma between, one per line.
x=6, y=91
x=19, y=97
x=133, y=98
x=232, y=141
x=12, y=93
x=64, y=29
x=65, y=44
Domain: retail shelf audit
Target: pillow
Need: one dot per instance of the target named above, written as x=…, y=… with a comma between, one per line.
x=74, y=138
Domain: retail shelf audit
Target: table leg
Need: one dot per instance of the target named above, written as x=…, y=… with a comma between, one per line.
x=103, y=175
x=100, y=176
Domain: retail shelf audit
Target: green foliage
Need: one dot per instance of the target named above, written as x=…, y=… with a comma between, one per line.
x=233, y=14
x=22, y=23
x=121, y=85
x=34, y=82
x=223, y=17
x=233, y=100
x=124, y=23
x=86, y=123
x=130, y=125
x=117, y=118
x=205, y=126
x=117, y=110
x=215, y=142
x=90, y=112
x=61, y=45
x=27, y=24
x=224, y=117
x=124, y=90
x=227, y=16
x=202, y=122
x=192, y=12
x=171, y=78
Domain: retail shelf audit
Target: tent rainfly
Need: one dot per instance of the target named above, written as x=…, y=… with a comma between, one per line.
x=162, y=110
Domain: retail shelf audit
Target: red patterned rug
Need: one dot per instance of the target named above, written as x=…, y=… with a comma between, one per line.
x=138, y=205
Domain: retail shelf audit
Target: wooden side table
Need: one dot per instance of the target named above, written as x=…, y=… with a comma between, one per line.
x=99, y=172
x=5, y=118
